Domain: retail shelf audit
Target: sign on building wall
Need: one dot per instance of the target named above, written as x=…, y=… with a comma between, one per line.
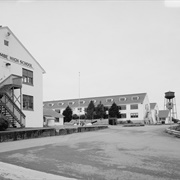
x=16, y=60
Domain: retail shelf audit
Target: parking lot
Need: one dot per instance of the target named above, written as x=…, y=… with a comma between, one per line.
x=114, y=153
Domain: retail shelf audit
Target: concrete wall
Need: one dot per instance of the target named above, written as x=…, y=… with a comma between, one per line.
x=44, y=132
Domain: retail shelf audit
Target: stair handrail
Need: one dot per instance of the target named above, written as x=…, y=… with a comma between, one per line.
x=14, y=104
x=13, y=115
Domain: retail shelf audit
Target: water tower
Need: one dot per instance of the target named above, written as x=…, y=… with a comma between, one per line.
x=170, y=104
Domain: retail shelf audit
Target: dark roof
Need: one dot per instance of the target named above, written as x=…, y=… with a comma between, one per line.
x=49, y=112
x=152, y=105
x=163, y=113
x=103, y=99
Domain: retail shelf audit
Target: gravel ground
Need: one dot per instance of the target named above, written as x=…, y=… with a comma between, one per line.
x=116, y=153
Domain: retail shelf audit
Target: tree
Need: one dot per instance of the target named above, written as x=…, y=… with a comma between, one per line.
x=114, y=111
x=90, y=110
x=100, y=110
x=75, y=116
x=67, y=113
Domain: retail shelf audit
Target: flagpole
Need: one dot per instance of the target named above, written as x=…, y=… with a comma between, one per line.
x=79, y=98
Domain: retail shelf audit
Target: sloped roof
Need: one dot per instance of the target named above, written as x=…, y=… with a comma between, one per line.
x=49, y=112
x=152, y=105
x=5, y=27
x=163, y=113
x=64, y=103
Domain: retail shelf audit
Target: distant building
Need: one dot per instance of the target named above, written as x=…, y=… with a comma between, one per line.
x=52, y=117
x=164, y=116
x=134, y=107
x=21, y=91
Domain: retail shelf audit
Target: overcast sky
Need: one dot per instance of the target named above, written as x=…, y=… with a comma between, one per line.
x=119, y=47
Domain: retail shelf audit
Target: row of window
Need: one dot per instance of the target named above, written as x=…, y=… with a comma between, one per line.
x=132, y=115
x=70, y=102
x=122, y=115
x=82, y=101
x=132, y=106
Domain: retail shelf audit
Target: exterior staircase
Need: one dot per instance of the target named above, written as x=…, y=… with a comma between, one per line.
x=8, y=108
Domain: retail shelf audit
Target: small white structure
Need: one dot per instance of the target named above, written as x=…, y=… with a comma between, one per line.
x=52, y=118
x=164, y=117
x=21, y=78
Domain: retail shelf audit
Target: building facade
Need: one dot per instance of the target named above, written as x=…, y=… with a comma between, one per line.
x=134, y=107
x=21, y=78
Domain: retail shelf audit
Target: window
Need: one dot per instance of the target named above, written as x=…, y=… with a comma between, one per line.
x=6, y=43
x=134, y=106
x=122, y=99
x=60, y=103
x=122, y=107
x=123, y=115
x=79, y=109
x=27, y=77
x=109, y=100
x=81, y=102
x=134, y=115
x=70, y=102
x=135, y=98
x=57, y=120
x=27, y=102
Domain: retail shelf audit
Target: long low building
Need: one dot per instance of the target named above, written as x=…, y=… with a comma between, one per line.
x=134, y=107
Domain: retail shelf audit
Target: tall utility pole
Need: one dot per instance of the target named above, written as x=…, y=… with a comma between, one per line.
x=79, y=98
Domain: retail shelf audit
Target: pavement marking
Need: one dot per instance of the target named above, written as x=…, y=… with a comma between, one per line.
x=12, y=172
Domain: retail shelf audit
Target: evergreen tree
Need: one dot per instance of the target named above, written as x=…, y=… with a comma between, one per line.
x=114, y=111
x=90, y=110
x=67, y=113
x=100, y=110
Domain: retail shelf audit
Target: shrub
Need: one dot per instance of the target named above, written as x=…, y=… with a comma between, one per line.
x=177, y=128
x=129, y=122
x=121, y=122
x=175, y=120
x=82, y=116
x=4, y=124
x=75, y=116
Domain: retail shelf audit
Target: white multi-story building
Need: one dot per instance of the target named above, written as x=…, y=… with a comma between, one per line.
x=21, y=96
x=134, y=107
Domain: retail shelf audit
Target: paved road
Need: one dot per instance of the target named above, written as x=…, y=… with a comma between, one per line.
x=116, y=153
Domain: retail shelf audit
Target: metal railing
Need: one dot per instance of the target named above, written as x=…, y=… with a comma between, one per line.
x=13, y=109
